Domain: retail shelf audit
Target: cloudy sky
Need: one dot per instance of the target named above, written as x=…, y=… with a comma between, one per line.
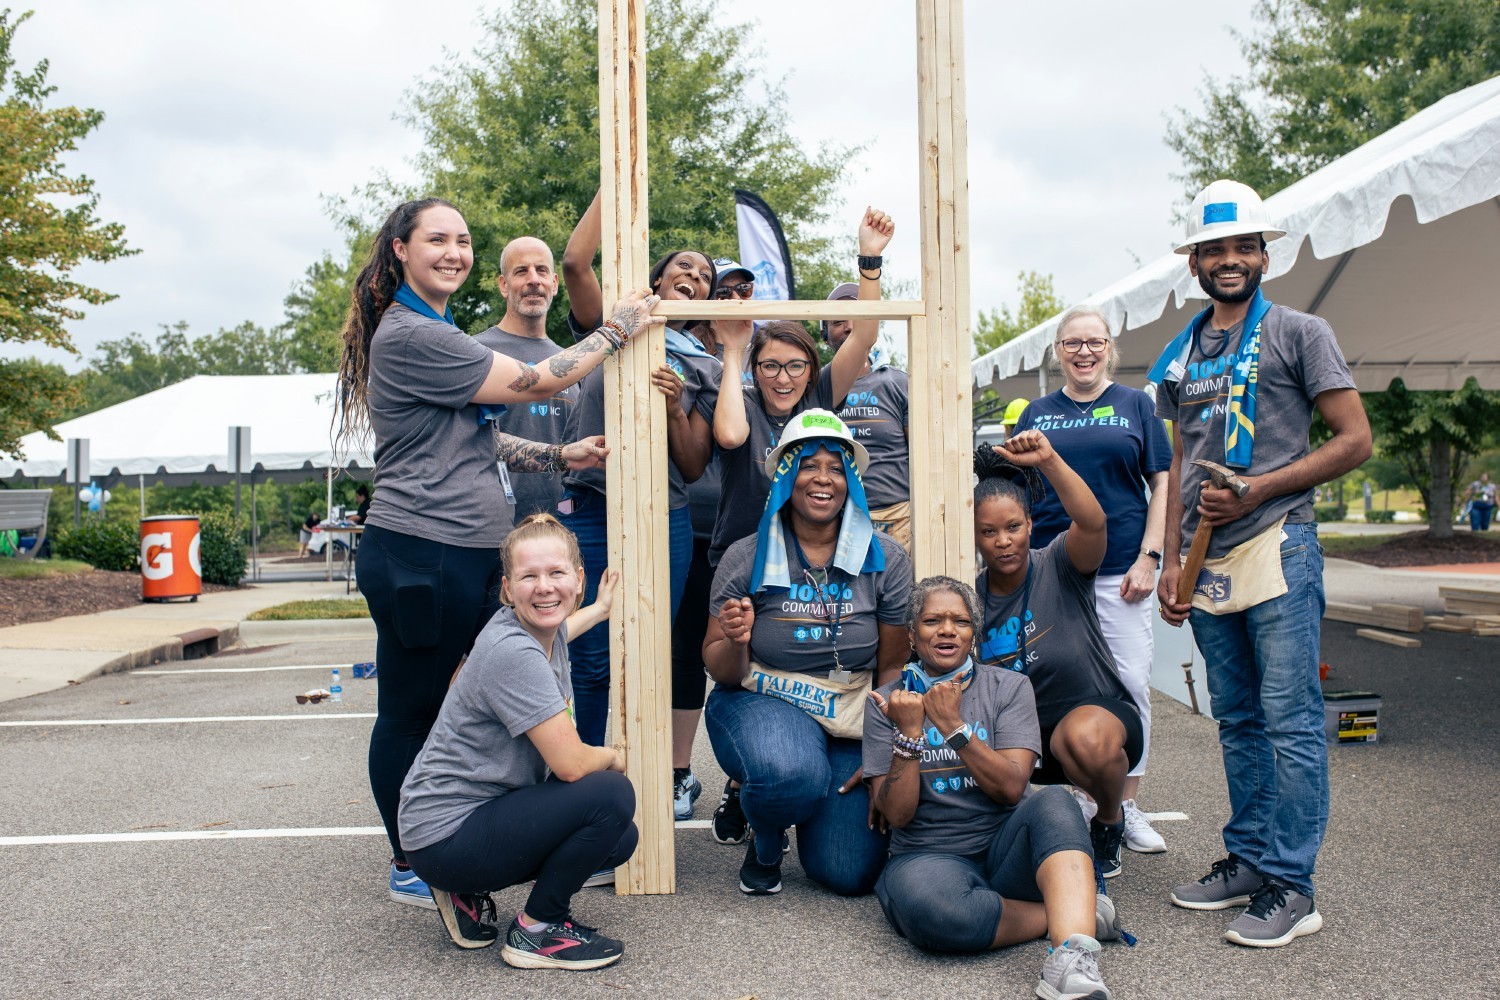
x=227, y=125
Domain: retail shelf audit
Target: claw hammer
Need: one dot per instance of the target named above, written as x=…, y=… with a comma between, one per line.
x=1223, y=479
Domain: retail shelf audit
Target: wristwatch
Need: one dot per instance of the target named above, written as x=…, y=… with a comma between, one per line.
x=1153, y=554
x=959, y=738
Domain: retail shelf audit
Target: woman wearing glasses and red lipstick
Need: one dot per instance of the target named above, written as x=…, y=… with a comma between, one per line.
x=809, y=613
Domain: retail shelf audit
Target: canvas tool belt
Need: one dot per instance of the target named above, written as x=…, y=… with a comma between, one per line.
x=839, y=707
x=895, y=521
x=1246, y=575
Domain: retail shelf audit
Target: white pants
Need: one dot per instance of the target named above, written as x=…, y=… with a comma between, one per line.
x=1127, y=633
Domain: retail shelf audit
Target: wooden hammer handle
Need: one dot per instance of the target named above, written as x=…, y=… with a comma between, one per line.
x=1194, y=564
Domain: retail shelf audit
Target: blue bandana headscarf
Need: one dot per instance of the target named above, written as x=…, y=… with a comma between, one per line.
x=858, y=550
x=1239, y=420
x=411, y=300
x=915, y=678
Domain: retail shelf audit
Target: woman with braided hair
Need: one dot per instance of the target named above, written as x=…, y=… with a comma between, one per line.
x=1039, y=620
x=429, y=561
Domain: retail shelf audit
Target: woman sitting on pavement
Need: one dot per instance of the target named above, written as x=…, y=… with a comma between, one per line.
x=504, y=792
x=1039, y=620
x=976, y=861
x=807, y=610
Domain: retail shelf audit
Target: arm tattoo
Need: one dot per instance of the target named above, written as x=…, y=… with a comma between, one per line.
x=629, y=318
x=529, y=377
x=521, y=455
x=564, y=362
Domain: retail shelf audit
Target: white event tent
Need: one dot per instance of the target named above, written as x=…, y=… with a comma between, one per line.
x=1404, y=234
x=180, y=434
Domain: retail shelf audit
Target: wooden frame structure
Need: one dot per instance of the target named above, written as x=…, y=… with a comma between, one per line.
x=940, y=431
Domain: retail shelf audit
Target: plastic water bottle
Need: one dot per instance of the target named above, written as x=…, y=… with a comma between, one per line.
x=335, y=689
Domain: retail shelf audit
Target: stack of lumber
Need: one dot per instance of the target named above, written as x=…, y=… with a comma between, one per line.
x=1478, y=606
x=1397, y=617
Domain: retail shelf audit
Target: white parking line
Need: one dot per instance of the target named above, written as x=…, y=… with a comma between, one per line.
x=42, y=723
x=245, y=670
x=1166, y=816
x=140, y=836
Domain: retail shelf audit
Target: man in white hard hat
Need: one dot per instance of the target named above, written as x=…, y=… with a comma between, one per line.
x=875, y=409
x=1240, y=384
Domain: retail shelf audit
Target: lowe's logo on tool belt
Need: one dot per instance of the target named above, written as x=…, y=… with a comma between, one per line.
x=1214, y=586
x=810, y=698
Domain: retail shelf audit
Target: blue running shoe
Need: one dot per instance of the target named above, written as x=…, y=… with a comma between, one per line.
x=685, y=792
x=407, y=887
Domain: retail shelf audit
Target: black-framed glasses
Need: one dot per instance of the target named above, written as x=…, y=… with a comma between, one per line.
x=742, y=289
x=1096, y=345
x=770, y=369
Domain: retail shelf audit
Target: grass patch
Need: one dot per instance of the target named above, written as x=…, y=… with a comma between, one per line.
x=296, y=611
x=37, y=569
x=1338, y=545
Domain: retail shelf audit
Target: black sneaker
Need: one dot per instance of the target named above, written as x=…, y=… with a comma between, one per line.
x=563, y=945
x=729, y=820
x=464, y=917
x=1107, y=839
x=757, y=879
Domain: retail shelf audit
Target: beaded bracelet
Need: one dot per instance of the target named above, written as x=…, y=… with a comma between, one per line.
x=905, y=753
x=910, y=744
x=555, y=460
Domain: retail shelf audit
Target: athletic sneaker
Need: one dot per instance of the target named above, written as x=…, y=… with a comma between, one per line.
x=407, y=887
x=685, y=792
x=1229, y=882
x=1106, y=920
x=464, y=916
x=566, y=944
x=757, y=879
x=1107, y=838
x=1072, y=971
x=729, y=824
x=604, y=876
x=1085, y=802
x=1140, y=835
x=1277, y=915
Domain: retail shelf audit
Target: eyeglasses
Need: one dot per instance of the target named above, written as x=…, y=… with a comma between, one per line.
x=742, y=289
x=771, y=369
x=1095, y=345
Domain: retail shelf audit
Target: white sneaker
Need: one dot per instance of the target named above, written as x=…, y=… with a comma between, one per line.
x=1140, y=836
x=1072, y=971
x=1085, y=802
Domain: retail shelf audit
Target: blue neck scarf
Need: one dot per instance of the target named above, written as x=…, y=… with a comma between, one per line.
x=915, y=678
x=858, y=550
x=411, y=300
x=685, y=344
x=1239, y=421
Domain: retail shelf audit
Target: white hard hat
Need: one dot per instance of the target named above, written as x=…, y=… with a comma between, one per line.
x=815, y=423
x=1227, y=208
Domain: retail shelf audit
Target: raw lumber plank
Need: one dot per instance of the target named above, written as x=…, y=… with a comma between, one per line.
x=1389, y=638
x=1400, y=617
x=1451, y=627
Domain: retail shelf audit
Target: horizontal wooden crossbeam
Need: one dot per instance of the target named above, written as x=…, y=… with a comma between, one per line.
x=793, y=309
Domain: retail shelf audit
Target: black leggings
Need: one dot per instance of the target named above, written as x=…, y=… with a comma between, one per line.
x=689, y=676
x=557, y=833
x=429, y=602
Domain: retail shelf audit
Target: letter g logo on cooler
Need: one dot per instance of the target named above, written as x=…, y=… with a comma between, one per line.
x=156, y=556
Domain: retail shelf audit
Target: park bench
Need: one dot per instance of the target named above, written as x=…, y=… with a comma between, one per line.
x=25, y=510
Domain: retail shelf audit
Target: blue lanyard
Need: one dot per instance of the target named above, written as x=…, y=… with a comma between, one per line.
x=833, y=609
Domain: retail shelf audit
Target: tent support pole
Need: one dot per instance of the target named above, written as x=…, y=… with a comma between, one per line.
x=1333, y=278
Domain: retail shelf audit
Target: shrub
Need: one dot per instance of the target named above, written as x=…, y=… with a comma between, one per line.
x=1329, y=511
x=1380, y=516
x=114, y=545
x=221, y=549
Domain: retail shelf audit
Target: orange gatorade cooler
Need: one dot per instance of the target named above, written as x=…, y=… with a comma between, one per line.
x=169, y=558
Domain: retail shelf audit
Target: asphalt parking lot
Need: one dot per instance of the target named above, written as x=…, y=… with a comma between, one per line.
x=288, y=897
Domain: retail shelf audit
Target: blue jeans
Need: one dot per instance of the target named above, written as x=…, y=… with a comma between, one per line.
x=1263, y=679
x=789, y=772
x=1479, y=515
x=589, y=653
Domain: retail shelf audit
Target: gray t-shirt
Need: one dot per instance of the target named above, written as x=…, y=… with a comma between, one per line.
x=542, y=420
x=1066, y=656
x=435, y=472
x=793, y=630
x=700, y=389
x=742, y=498
x=1299, y=359
x=954, y=815
x=875, y=410
x=478, y=749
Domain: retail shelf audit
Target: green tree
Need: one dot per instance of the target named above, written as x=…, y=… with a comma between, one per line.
x=48, y=225
x=1434, y=435
x=511, y=136
x=1039, y=303
x=315, y=312
x=131, y=366
x=1328, y=76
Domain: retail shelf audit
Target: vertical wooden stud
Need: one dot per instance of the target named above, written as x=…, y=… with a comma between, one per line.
x=635, y=423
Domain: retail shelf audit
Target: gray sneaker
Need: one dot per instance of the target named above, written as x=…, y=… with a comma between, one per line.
x=1229, y=882
x=1106, y=920
x=1277, y=915
x=1072, y=971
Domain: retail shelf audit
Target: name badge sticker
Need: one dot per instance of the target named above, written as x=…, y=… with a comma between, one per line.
x=1104, y=411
